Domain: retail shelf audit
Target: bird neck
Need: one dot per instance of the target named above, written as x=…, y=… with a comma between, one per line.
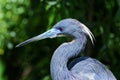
x=62, y=54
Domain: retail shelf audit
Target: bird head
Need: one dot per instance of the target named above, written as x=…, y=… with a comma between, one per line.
x=69, y=26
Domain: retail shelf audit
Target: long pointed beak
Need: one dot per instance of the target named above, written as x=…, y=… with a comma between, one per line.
x=48, y=34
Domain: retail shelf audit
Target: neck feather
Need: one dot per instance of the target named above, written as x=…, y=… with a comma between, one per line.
x=63, y=53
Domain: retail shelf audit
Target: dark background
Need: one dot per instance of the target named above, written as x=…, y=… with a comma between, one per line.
x=23, y=19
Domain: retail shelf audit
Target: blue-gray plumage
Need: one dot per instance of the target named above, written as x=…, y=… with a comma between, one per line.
x=83, y=68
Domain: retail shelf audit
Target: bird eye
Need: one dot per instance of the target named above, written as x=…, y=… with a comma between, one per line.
x=60, y=29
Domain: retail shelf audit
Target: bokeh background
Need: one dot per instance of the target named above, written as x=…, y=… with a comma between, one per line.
x=23, y=19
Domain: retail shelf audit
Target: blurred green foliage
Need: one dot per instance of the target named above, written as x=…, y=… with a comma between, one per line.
x=1, y=70
x=22, y=19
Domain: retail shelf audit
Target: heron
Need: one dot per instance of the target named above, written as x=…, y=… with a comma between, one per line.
x=81, y=68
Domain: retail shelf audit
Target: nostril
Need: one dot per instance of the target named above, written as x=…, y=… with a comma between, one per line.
x=60, y=29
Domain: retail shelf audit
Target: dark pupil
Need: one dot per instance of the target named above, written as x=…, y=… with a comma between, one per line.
x=60, y=28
